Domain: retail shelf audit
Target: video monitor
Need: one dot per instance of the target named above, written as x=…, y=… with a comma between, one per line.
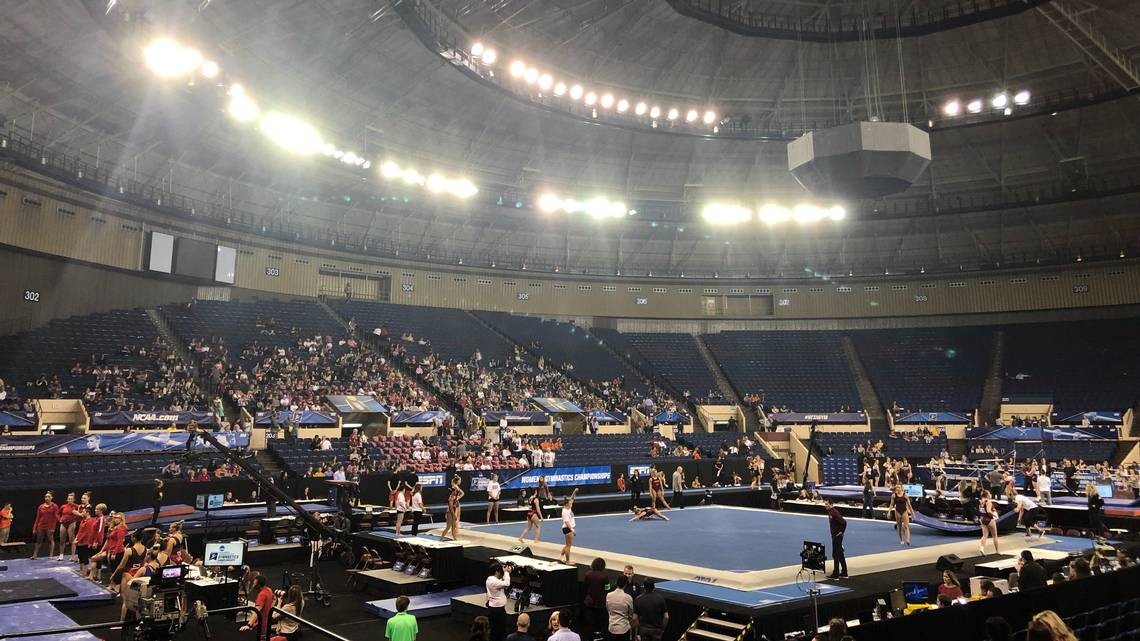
x=171, y=576
x=209, y=501
x=916, y=591
x=914, y=490
x=225, y=553
x=897, y=600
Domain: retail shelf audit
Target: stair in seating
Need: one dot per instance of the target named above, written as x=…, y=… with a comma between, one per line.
x=717, y=626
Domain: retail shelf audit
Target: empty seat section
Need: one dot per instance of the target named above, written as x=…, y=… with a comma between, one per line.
x=926, y=369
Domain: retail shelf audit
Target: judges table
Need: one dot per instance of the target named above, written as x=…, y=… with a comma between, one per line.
x=215, y=593
x=557, y=583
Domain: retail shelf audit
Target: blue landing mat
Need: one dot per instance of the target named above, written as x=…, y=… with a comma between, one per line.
x=724, y=538
x=423, y=605
x=62, y=571
x=777, y=595
x=26, y=617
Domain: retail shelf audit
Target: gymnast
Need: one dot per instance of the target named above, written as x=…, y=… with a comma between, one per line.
x=647, y=514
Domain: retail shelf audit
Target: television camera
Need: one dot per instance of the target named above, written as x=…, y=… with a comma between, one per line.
x=157, y=604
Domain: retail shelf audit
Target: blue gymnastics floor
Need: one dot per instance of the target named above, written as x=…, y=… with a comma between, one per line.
x=724, y=538
x=39, y=615
x=62, y=571
x=776, y=595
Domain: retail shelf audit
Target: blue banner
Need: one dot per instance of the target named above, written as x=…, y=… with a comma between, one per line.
x=304, y=417
x=1043, y=433
x=363, y=404
x=1092, y=418
x=95, y=442
x=516, y=418
x=671, y=418
x=941, y=418
x=833, y=418
x=150, y=419
x=556, y=405
x=1005, y=433
x=412, y=418
x=12, y=419
x=608, y=418
x=560, y=477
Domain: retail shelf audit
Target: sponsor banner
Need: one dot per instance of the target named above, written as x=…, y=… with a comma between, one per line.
x=417, y=418
x=479, y=480
x=821, y=418
x=1097, y=417
x=433, y=479
x=1005, y=433
x=560, y=477
x=642, y=469
x=12, y=419
x=942, y=418
x=556, y=405
x=304, y=417
x=1044, y=433
x=608, y=418
x=671, y=418
x=100, y=443
x=516, y=418
x=360, y=404
x=150, y=419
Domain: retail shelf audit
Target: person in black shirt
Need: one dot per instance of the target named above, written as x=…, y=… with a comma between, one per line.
x=156, y=502
x=838, y=526
x=522, y=626
x=868, y=499
x=1030, y=574
x=1096, y=511
x=652, y=614
x=634, y=488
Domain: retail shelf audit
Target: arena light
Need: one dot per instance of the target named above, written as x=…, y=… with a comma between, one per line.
x=489, y=57
x=691, y=115
x=838, y=212
x=640, y=108
x=559, y=88
x=209, y=69
x=168, y=59
x=952, y=108
x=1000, y=100
x=530, y=75
x=548, y=202
x=774, y=214
x=576, y=92
x=1021, y=97
x=975, y=106
x=290, y=133
x=655, y=112
x=545, y=81
x=725, y=214
x=623, y=106
x=477, y=49
x=598, y=207
x=517, y=69
x=390, y=170
x=710, y=117
x=591, y=98
x=241, y=107
x=607, y=100
x=673, y=113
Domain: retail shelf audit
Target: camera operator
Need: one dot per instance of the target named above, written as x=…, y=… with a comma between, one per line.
x=497, y=585
x=292, y=602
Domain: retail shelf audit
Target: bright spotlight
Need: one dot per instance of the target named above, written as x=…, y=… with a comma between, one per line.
x=489, y=57
x=390, y=169
x=673, y=113
x=623, y=106
x=710, y=117
x=209, y=69
x=518, y=68
x=974, y=106
x=412, y=177
x=655, y=112
x=545, y=81
x=640, y=109
x=289, y=132
x=607, y=101
x=462, y=188
x=436, y=183
x=168, y=59
x=838, y=212
x=242, y=108
x=805, y=213
x=549, y=202
x=477, y=49
x=774, y=214
x=576, y=92
x=723, y=214
x=691, y=115
x=1021, y=97
x=559, y=88
x=1000, y=100
x=591, y=98
x=952, y=108
x=530, y=76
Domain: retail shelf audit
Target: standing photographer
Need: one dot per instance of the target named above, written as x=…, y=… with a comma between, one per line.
x=838, y=526
x=497, y=585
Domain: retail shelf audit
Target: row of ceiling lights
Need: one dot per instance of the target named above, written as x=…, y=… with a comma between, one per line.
x=545, y=82
x=1000, y=101
x=724, y=214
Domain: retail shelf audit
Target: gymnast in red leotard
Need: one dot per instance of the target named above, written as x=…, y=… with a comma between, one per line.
x=900, y=503
x=988, y=521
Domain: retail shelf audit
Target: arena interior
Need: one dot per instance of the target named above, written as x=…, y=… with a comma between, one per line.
x=760, y=320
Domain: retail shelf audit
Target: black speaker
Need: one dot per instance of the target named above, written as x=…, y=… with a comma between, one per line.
x=521, y=550
x=949, y=562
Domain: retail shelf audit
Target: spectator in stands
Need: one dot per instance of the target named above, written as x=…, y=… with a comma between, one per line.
x=1048, y=626
x=522, y=626
x=622, y=624
x=988, y=590
x=950, y=585
x=652, y=613
x=836, y=631
x=560, y=632
x=5, y=523
x=997, y=629
x=1079, y=569
x=402, y=626
x=43, y=529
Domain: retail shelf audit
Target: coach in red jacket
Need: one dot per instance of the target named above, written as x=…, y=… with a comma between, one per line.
x=47, y=518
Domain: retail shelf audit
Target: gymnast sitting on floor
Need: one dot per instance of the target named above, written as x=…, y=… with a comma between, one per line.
x=647, y=514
